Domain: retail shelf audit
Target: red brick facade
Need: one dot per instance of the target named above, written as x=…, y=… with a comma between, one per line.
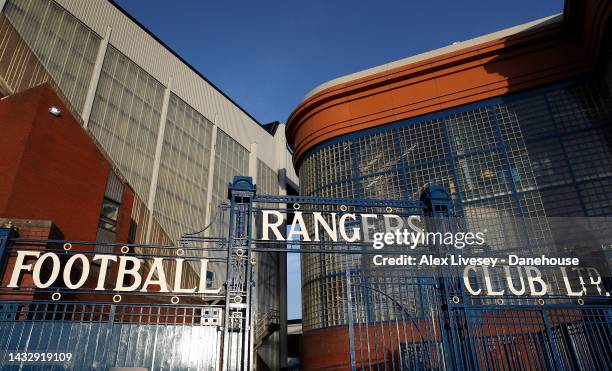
x=51, y=168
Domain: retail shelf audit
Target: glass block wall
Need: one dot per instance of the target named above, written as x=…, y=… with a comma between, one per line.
x=66, y=47
x=546, y=152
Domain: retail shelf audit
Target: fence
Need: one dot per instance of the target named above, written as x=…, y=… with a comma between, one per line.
x=357, y=315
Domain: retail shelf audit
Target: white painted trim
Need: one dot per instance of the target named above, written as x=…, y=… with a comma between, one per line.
x=95, y=77
x=158, y=149
x=253, y=162
x=458, y=45
x=211, y=173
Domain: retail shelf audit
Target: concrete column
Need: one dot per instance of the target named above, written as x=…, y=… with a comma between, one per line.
x=156, y=163
x=95, y=77
x=253, y=174
x=253, y=162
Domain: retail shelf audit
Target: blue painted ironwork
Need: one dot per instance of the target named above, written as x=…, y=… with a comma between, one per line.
x=100, y=336
x=238, y=334
x=327, y=201
x=99, y=333
x=441, y=333
x=392, y=321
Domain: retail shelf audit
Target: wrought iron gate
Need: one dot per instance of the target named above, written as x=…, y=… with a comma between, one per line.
x=379, y=319
x=389, y=319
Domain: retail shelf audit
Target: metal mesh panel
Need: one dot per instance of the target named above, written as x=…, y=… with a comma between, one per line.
x=472, y=131
x=531, y=154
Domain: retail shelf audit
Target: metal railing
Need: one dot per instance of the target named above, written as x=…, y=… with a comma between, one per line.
x=266, y=323
x=412, y=319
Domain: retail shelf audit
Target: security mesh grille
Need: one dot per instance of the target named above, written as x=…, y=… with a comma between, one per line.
x=541, y=153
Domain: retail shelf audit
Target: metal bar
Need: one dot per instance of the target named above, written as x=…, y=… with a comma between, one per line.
x=337, y=201
x=349, y=304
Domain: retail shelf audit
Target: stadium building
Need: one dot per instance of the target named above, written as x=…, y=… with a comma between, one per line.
x=517, y=123
x=110, y=137
x=150, y=123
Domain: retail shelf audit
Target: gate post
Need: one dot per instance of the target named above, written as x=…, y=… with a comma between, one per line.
x=438, y=206
x=437, y=201
x=349, y=309
x=237, y=334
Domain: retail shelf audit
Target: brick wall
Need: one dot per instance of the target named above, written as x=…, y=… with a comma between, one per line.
x=52, y=170
x=26, y=229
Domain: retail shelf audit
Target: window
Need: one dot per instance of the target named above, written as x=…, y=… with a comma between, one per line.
x=109, y=215
x=210, y=277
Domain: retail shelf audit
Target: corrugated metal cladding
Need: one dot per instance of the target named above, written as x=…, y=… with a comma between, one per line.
x=267, y=179
x=141, y=48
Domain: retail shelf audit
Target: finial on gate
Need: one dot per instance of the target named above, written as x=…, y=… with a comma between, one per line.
x=241, y=184
x=436, y=199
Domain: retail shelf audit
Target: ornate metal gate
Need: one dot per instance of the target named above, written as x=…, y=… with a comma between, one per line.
x=56, y=327
x=390, y=319
x=375, y=317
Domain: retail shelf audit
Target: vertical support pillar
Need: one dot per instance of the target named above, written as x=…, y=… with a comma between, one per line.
x=349, y=310
x=95, y=77
x=253, y=162
x=255, y=307
x=157, y=160
x=281, y=170
x=281, y=155
x=211, y=173
x=438, y=211
x=238, y=324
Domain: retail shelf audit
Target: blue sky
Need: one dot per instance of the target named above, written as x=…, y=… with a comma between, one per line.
x=268, y=54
